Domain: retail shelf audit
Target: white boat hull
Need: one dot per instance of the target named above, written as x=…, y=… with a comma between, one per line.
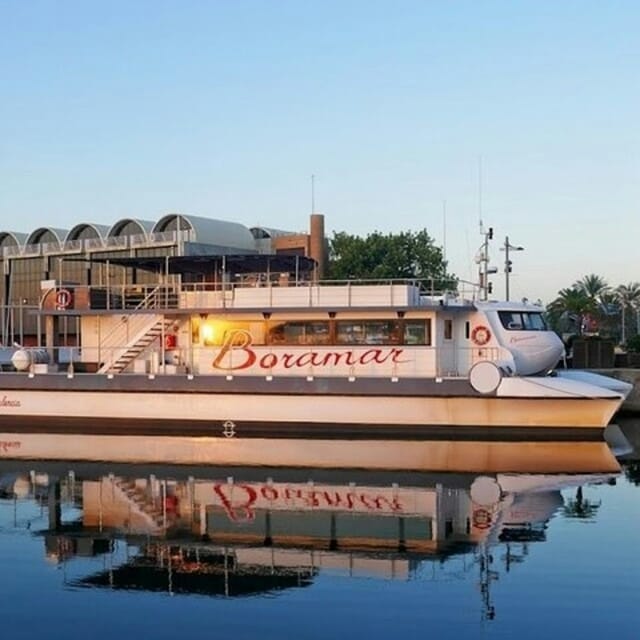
x=478, y=457
x=518, y=403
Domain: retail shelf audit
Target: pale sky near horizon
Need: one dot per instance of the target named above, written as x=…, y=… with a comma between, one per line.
x=225, y=110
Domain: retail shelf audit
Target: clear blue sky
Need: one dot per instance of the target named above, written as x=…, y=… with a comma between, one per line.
x=225, y=109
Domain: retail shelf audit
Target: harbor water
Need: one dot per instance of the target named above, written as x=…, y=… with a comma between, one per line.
x=413, y=539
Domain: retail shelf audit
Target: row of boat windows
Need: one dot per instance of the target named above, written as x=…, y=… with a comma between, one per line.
x=319, y=332
x=352, y=332
x=347, y=332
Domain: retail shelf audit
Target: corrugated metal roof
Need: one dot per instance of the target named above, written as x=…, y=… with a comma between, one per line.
x=209, y=230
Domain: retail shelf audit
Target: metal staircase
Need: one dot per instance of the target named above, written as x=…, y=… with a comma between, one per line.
x=145, y=336
x=143, y=504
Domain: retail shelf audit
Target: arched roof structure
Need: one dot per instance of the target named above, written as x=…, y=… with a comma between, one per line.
x=86, y=230
x=208, y=230
x=130, y=227
x=12, y=238
x=46, y=234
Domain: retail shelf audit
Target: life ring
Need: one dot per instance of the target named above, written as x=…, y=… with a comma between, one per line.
x=480, y=335
x=64, y=298
x=482, y=519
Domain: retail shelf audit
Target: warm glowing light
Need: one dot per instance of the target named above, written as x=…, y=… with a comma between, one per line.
x=208, y=332
x=213, y=332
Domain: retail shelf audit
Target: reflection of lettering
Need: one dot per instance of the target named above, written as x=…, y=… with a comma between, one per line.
x=236, y=509
x=237, y=353
x=240, y=500
x=8, y=402
x=7, y=445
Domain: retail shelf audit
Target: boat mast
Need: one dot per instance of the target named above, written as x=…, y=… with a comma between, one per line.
x=484, y=286
x=483, y=263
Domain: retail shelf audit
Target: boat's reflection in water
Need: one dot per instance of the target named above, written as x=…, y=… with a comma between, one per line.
x=252, y=516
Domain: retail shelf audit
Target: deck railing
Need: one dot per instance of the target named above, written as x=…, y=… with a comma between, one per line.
x=276, y=293
x=97, y=244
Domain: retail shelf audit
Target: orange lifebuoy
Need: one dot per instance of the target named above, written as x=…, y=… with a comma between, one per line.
x=170, y=341
x=482, y=519
x=64, y=299
x=481, y=335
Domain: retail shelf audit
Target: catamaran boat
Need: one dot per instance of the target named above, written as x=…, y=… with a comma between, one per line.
x=254, y=344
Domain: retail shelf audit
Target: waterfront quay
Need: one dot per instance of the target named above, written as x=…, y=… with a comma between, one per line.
x=626, y=374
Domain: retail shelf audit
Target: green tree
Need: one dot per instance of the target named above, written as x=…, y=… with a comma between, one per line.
x=567, y=311
x=580, y=507
x=628, y=296
x=608, y=311
x=378, y=256
x=593, y=286
x=590, y=298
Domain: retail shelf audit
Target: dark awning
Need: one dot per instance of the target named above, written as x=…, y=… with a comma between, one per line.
x=210, y=264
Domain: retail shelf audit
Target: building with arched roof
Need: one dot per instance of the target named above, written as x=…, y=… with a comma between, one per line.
x=131, y=227
x=86, y=230
x=11, y=242
x=80, y=255
x=208, y=232
x=47, y=236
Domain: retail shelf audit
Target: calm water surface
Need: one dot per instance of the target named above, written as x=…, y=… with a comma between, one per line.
x=538, y=541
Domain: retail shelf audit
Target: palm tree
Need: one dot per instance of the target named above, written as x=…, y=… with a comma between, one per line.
x=609, y=310
x=580, y=507
x=570, y=307
x=593, y=286
x=628, y=296
x=596, y=288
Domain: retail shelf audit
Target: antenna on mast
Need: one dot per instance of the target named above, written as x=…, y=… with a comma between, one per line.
x=485, y=270
x=444, y=230
x=480, y=194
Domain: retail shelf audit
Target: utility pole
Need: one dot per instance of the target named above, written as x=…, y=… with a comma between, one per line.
x=507, y=263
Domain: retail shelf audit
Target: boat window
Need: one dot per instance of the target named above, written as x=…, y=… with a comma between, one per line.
x=368, y=332
x=522, y=321
x=417, y=332
x=315, y=332
x=212, y=332
x=448, y=329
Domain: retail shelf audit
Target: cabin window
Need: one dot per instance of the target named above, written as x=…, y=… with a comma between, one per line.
x=292, y=333
x=212, y=332
x=522, y=321
x=448, y=329
x=368, y=332
x=417, y=332
x=467, y=329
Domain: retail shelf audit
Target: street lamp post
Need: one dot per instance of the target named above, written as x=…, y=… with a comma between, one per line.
x=507, y=263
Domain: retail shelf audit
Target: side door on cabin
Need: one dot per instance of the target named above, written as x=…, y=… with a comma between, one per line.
x=453, y=345
x=466, y=357
x=446, y=345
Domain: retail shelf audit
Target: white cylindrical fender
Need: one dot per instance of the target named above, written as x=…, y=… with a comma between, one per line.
x=22, y=359
x=485, y=376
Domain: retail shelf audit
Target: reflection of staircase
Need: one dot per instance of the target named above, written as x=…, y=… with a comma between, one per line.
x=143, y=504
x=122, y=357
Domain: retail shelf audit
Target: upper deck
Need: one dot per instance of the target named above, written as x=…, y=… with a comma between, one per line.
x=242, y=297
x=236, y=283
